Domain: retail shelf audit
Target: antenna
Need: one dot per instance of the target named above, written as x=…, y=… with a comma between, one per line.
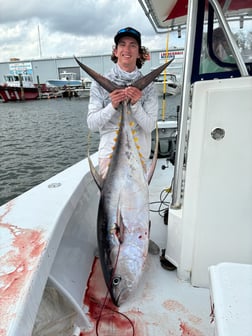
x=40, y=50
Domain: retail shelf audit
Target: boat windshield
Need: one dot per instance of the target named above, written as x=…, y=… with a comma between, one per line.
x=216, y=54
x=67, y=75
x=16, y=78
x=27, y=78
x=11, y=78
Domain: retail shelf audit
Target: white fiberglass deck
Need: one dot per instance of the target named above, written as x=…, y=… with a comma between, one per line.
x=163, y=304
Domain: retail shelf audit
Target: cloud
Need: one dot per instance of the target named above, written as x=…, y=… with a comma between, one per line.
x=68, y=27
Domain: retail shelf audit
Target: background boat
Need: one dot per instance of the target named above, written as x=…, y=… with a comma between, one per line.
x=169, y=86
x=70, y=86
x=69, y=79
x=82, y=92
x=16, y=93
x=20, y=87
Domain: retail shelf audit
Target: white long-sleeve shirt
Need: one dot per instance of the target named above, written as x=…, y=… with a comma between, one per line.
x=104, y=118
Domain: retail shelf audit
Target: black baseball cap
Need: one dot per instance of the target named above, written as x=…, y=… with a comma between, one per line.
x=128, y=32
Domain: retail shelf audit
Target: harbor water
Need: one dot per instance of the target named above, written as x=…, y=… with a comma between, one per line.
x=39, y=139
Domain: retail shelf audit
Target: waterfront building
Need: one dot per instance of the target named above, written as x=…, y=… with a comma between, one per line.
x=43, y=69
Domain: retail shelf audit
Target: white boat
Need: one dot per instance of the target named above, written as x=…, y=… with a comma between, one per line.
x=69, y=79
x=168, y=86
x=15, y=80
x=50, y=277
x=84, y=92
x=51, y=94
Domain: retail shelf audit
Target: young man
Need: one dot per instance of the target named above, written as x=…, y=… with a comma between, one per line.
x=128, y=56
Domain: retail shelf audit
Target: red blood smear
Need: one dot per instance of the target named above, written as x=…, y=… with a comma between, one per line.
x=19, y=262
x=104, y=315
x=189, y=331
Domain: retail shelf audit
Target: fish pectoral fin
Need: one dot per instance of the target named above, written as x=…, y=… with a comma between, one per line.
x=120, y=227
x=96, y=176
x=118, y=233
x=121, y=234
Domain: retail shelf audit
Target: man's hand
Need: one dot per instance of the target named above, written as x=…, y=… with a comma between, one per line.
x=133, y=94
x=117, y=96
x=129, y=93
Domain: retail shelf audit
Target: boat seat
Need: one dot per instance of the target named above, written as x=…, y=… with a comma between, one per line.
x=231, y=298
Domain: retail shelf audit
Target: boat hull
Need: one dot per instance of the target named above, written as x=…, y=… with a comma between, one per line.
x=62, y=83
x=82, y=93
x=9, y=93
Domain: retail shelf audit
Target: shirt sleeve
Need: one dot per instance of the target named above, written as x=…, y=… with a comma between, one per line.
x=145, y=112
x=100, y=109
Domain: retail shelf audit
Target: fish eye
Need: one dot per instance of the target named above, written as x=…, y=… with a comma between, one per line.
x=116, y=280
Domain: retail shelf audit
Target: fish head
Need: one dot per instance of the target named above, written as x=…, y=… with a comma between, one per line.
x=121, y=289
x=126, y=276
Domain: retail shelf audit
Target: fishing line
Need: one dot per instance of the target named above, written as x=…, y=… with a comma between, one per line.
x=106, y=296
x=105, y=306
x=116, y=312
x=99, y=318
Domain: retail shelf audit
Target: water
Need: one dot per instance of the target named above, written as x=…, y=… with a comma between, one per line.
x=38, y=139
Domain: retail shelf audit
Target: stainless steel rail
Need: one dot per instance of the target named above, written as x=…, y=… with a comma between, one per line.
x=185, y=101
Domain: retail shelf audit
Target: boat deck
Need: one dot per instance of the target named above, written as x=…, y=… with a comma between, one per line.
x=162, y=305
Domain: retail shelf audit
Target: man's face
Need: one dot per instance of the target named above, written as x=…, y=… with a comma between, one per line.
x=127, y=52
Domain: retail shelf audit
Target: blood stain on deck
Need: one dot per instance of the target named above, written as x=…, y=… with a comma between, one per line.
x=20, y=249
x=104, y=316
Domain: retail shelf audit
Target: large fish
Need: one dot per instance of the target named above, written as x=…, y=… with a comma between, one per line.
x=123, y=214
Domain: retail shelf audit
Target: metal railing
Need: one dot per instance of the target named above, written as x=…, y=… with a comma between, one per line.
x=185, y=100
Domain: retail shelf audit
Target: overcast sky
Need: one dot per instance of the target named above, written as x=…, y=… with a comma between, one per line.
x=71, y=27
